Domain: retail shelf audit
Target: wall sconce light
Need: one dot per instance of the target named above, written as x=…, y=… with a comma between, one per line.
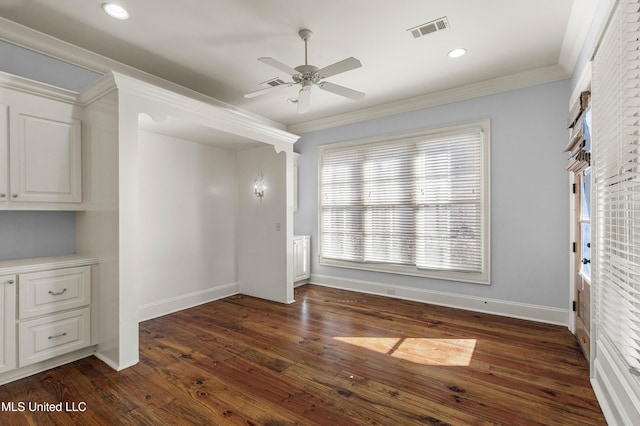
x=258, y=186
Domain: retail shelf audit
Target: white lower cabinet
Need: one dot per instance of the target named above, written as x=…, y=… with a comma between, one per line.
x=301, y=257
x=53, y=335
x=7, y=322
x=47, y=301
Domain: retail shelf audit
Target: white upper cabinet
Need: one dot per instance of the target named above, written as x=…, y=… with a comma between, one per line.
x=45, y=158
x=40, y=150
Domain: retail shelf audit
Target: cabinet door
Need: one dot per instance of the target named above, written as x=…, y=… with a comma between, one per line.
x=47, y=292
x=301, y=268
x=4, y=153
x=45, y=158
x=7, y=323
x=48, y=337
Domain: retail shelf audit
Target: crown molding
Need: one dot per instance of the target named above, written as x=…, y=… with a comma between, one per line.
x=226, y=119
x=456, y=94
x=578, y=26
x=33, y=87
x=31, y=39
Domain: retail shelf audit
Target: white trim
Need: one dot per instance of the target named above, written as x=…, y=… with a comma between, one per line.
x=572, y=253
x=185, y=301
x=583, y=83
x=39, y=367
x=31, y=39
x=524, y=311
x=580, y=20
x=37, y=264
x=25, y=85
x=34, y=40
x=112, y=364
x=619, y=403
x=489, y=87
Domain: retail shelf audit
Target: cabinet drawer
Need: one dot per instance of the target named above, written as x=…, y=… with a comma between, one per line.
x=47, y=337
x=47, y=292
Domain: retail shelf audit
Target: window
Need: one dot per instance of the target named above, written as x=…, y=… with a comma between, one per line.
x=616, y=120
x=415, y=204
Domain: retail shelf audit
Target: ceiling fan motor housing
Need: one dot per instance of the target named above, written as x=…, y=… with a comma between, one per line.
x=307, y=73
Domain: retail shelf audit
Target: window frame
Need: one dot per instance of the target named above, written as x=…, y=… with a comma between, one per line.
x=482, y=277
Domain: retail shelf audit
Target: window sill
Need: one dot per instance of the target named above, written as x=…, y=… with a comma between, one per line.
x=483, y=278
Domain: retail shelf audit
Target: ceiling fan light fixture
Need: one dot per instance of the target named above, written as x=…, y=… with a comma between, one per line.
x=457, y=53
x=115, y=11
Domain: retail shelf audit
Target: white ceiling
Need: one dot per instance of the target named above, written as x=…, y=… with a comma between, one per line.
x=212, y=46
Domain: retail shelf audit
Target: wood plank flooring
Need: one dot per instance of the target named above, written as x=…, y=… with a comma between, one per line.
x=332, y=358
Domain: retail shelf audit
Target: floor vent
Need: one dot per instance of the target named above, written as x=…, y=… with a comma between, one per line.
x=429, y=27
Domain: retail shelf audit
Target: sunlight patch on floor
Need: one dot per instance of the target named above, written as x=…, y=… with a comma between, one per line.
x=425, y=351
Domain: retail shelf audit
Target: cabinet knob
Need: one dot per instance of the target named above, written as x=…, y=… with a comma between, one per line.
x=10, y=282
x=3, y=195
x=585, y=261
x=14, y=195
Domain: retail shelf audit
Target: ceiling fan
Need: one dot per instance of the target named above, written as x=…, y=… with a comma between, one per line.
x=307, y=75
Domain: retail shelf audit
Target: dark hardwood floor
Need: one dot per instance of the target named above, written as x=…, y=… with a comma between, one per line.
x=332, y=358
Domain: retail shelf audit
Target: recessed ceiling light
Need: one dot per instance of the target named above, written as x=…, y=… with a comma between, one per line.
x=115, y=11
x=456, y=53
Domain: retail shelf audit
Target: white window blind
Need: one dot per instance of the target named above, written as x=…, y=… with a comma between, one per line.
x=616, y=169
x=413, y=204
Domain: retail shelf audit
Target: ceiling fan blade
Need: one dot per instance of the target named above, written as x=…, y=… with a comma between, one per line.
x=339, y=67
x=279, y=65
x=267, y=90
x=304, y=98
x=341, y=90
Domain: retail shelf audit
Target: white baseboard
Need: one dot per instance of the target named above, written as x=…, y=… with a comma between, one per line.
x=113, y=364
x=164, y=307
x=478, y=304
x=30, y=370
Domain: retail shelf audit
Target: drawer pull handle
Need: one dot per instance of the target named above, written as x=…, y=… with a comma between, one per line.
x=58, y=335
x=58, y=293
x=10, y=282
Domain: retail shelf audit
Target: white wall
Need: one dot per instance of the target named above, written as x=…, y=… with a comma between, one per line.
x=97, y=227
x=265, y=237
x=188, y=199
x=529, y=204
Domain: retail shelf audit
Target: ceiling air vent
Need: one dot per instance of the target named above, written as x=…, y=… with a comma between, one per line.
x=273, y=82
x=429, y=27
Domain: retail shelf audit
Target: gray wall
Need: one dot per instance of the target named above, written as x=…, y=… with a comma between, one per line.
x=529, y=193
x=35, y=234
x=36, y=66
